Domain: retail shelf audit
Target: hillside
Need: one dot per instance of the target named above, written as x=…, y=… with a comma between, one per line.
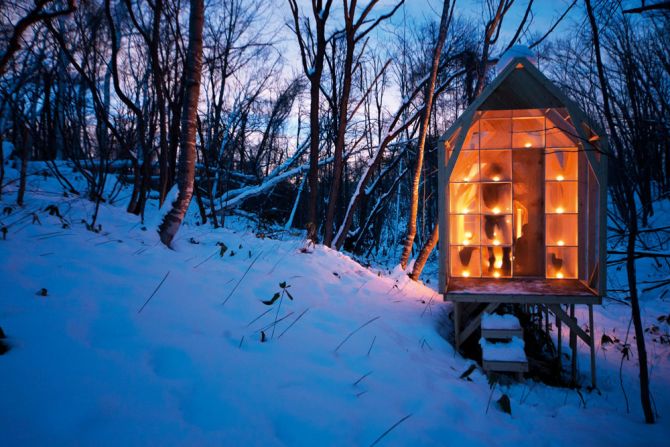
x=117, y=340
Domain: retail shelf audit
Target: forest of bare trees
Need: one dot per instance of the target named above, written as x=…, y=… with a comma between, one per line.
x=324, y=116
x=342, y=144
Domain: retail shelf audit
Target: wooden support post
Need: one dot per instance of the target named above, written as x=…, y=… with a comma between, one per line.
x=457, y=326
x=593, y=346
x=546, y=319
x=476, y=322
x=573, y=346
x=560, y=344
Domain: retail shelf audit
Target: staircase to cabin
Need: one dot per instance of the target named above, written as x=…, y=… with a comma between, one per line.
x=502, y=344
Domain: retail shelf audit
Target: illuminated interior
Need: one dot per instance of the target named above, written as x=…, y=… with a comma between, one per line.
x=514, y=197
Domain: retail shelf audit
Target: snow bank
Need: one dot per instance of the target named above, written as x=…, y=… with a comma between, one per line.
x=353, y=353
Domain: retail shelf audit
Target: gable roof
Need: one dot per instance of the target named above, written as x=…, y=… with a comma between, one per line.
x=521, y=86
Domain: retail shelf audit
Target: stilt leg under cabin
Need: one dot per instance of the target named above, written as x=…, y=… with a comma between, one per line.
x=469, y=310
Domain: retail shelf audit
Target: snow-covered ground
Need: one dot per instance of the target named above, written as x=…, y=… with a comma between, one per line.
x=354, y=354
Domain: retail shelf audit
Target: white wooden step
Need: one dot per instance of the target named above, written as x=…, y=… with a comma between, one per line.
x=501, y=326
x=501, y=356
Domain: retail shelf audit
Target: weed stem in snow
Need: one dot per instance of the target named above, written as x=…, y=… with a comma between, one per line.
x=155, y=290
x=389, y=430
x=352, y=333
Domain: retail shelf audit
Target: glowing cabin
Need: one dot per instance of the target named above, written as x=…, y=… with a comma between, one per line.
x=522, y=201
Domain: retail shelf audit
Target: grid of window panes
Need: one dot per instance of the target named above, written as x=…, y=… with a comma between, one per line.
x=484, y=222
x=561, y=202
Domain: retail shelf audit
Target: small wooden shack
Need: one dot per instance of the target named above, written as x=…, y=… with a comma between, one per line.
x=522, y=206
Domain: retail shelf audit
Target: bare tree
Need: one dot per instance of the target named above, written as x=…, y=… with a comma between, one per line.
x=37, y=14
x=353, y=34
x=624, y=192
x=312, y=55
x=186, y=171
x=425, y=120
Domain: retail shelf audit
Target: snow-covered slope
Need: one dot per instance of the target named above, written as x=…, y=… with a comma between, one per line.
x=354, y=353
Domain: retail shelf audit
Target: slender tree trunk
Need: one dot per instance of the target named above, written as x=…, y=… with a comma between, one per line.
x=430, y=90
x=25, y=157
x=627, y=190
x=186, y=170
x=635, y=309
x=313, y=174
x=428, y=247
x=341, y=131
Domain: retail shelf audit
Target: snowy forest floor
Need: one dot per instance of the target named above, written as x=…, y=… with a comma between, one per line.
x=355, y=352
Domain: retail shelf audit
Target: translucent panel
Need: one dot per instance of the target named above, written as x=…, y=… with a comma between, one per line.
x=495, y=133
x=497, y=230
x=464, y=198
x=497, y=262
x=496, y=166
x=524, y=113
x=562, y=229
x=496, y=198
x=561, y=197
x=562, y=262
x=466, y=168
x=528, y=132
x=560, y=133
x=452, y=141
x=472, y=138
x=464, y=229
x=562, y=164
x=465, y=262
x=496, y=114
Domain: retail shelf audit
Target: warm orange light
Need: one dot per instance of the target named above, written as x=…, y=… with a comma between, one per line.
x=466, y=273
x=498, y=263
x=560, y=178
x=465, y=211
x=466, y=242
x=496, y=178
x=468, y=234
x=560, y=243
x=528, y=144
x=466, y=179
x=496, y=242
x=559, y=275
x=496, y=210
x=559, y=210
x=496, y=274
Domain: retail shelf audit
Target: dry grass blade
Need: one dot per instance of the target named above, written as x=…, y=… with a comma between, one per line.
x=356, y=330
x=242, y=278
x=154, y=292
x=294, y=322
x=389, y=430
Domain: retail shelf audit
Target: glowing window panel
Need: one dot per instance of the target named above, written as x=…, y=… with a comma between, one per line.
x=466, y=168
x=562, y=229
x=496, y=198
x=561, y=164
x=496, y=165
x=561, y=197
x=465, y=262
x=464, y=198
x=496, y=230
x=562, y=262
x=528, y=132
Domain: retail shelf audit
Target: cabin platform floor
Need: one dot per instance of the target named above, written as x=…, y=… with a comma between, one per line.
x=520, y=290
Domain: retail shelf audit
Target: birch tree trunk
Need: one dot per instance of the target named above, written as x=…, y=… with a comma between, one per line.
x=186, y=170
x=425, y=119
